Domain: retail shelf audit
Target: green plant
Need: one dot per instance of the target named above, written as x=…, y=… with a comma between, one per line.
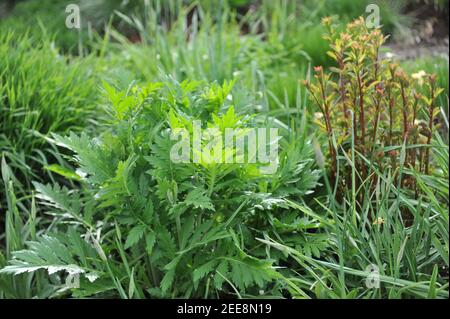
x=131, y=223
x=375, y=107
x=431, y=65
x=411, y=260
x=174, y=230
x=366, y=216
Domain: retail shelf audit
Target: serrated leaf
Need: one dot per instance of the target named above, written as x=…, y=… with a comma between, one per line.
x=198, y=199
x=202, y=271
x=150, y=239
x=134, y=236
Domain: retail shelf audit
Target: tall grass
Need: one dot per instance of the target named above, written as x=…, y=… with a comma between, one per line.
x=201, y=45
x=41, y=91
x=412, y=260
x=374, y=219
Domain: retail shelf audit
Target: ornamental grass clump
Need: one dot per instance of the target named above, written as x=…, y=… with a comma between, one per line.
x=41, y=91
x=379, y=117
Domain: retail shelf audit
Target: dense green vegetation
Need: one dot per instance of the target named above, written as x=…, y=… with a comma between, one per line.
x=89, y=188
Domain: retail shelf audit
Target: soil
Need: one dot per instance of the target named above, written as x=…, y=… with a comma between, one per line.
x=428, y=36
x=408, y=51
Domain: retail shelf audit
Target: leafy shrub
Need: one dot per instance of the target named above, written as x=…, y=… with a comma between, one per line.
x=386, y=212
x=375, y=106
x=164, y=229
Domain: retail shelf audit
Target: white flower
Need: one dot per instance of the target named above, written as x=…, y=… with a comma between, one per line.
x=318, y=115
x=389, y=55
x=419, y=76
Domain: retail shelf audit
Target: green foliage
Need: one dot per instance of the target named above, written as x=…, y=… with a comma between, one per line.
x=192, y=224
x=54, y=254
x=44, y=20
x=391, y=18
x=131, y=223
x=431, y=65
x=412, y=260
x=388, y=207
x=41, y=91
x=202, y=45
x=373, y=108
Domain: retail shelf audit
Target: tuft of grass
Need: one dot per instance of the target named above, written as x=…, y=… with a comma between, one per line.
x=409, y=261
x=41, y=91
x=45, y=20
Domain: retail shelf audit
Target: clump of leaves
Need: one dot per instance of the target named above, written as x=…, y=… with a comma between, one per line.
x=373, y=111
x=166, y=229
